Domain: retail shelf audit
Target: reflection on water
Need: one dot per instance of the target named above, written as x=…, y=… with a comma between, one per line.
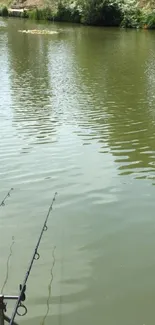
x=120, y=109
x=77, y=117
x=31, y=91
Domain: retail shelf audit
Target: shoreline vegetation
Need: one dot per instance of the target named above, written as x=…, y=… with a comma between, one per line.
x=109, y=13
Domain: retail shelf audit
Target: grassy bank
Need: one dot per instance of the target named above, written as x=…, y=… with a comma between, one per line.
x=126, y=14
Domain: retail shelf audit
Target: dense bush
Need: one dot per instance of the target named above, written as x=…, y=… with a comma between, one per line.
x=41, y=14
x=132, y=19
x=101, y=12
x=125, y=13
x=68, y=13
x=4, y=12
x=35, y=14
x=47, y=13
x=149, y=20
x=24, y=14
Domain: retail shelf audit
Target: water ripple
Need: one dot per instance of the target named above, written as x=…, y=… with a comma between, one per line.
x=77, y=117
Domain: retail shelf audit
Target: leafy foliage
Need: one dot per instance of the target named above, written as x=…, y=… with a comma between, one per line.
x=124, y=13
x=41, y=14
x=149, y=20
x=4, y=12
x=24, y=14
x=101, y=12
x=68, y=13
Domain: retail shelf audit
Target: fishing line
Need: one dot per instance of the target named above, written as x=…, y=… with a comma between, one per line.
x=7, y=265
x=61, y=276
x=35, y=256
x=49, y=287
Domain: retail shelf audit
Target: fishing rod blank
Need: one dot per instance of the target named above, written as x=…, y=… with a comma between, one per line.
x=35, y=256
x=7, y=195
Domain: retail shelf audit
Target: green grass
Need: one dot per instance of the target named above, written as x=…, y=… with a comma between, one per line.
x=40, y=14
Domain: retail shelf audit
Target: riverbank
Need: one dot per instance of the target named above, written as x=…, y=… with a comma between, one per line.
x=108, y=13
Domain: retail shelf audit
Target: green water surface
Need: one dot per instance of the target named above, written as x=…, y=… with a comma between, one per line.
x=77, y=116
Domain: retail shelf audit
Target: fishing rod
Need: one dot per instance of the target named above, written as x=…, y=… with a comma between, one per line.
x=7, y=195
x=35, y=256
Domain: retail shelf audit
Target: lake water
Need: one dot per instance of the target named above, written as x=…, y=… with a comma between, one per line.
x=77, y=116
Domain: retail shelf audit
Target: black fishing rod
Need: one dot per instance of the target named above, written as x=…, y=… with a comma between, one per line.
x=35, y=256
x=7, y=195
